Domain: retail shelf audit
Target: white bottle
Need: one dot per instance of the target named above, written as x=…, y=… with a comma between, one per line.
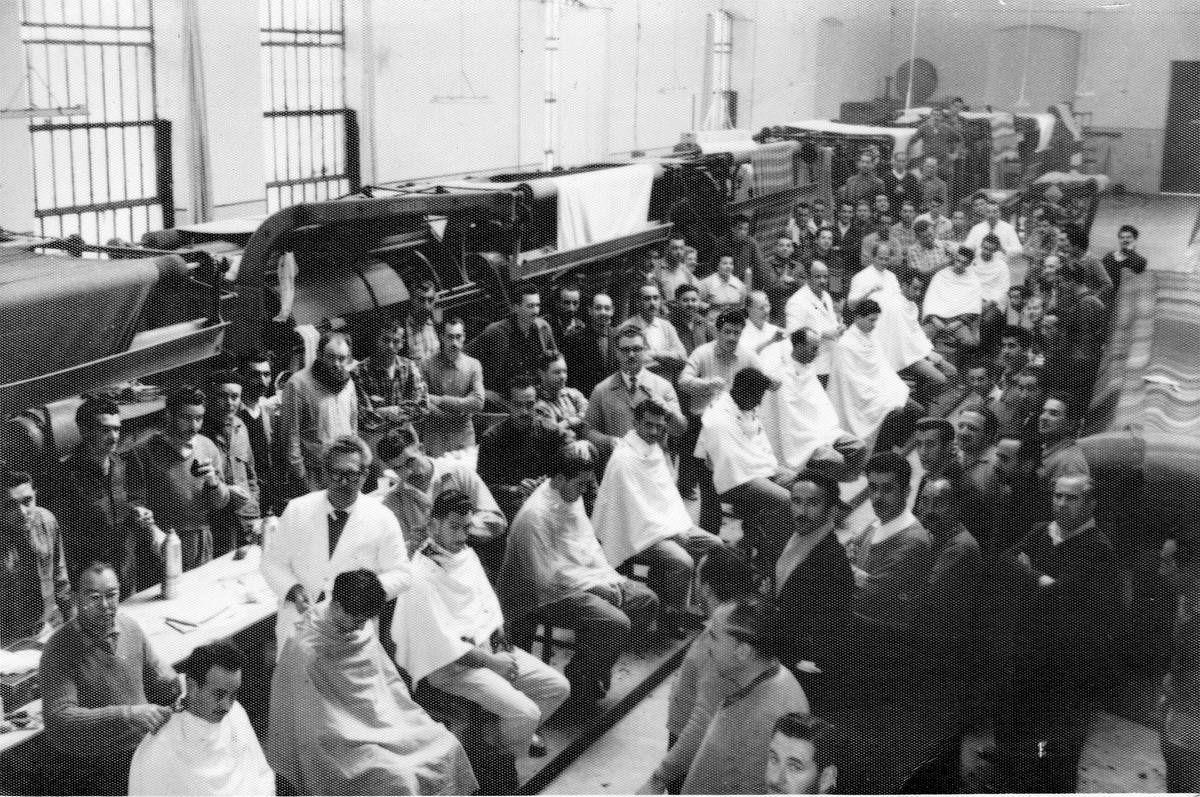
x=172, y=562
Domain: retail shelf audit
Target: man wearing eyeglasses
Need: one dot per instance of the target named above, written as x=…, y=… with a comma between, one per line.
x=331, y=531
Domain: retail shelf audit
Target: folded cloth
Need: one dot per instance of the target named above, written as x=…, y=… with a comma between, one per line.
x=603, y=204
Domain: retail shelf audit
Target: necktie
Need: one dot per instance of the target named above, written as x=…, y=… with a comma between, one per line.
x=337, y=523
x=633, y=385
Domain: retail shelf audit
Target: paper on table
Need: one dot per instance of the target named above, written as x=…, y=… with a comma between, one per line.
x=19, y=662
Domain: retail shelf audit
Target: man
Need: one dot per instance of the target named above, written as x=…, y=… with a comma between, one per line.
x=259, y=413
x=940, y=140
x=901, y=184
x=640, y=517
x=209, y=747
x=610, y=407
x=563, y=406
x=1019, y=409
x=759, y=331
x=942, y=226
x=449, y=631
x=185, y=478
x=1014, y=355
x=417, y=478
x=902, y=230
x=319, y=404
x=591, y=351
x=732, y=757
x=512, y=345
x=708, y=373
x=35, y=593
x=992, y=224
x=799, y=418
x=101, y=501
x=881, y=236
x=934, y=438
x=802, y=229
x=103, y=689
x=673, y=272
x=518, y=453
x=953, y=304
x=815, y=587
x=391, y=390
x=777, y=277
x=980, y=382
x=1085, y=328
x=890, y=561
x=421, y=325
x=555, y=570
x=565, y=318
x=690, y=320
x=813, y=307
x=342, y=721
x=745, y=470
x=863, y=386
x=1125, y=256
x=1066, y=584
x=848, y=234
x=928, y=255
x=723, y=289
x=747, y=257
x=803, y=757
x=1058, y=426
x=934, y=190
x=1073, y=242
x=974, y=432
x=456, y=393
x=864, y=183
x=328, y=532
x=665, y=349
x=960, y=227
x=223, y=425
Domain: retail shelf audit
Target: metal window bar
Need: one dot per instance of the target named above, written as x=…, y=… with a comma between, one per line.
x=310, y=136
x=106, y=175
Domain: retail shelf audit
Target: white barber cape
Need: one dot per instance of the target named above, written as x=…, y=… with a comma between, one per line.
x=863, y=386
x=735, y=445
x=298, y=552
x=995, y=277
x=901, y=342
x=1010, y=242
x=449, y=609
x=189, y=756
x=798, y=418
x=638, y=503
x=950, y=295
x=805, y=309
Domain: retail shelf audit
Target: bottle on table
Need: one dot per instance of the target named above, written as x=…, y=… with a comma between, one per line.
x=172, y=562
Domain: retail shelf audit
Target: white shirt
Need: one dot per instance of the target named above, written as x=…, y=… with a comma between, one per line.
x=661, y=337
x=805, y=309
x=735, y=444
x=753, y=337
x=799, y=418
x=718, y=292
x=1010, y=243
x=704, y=363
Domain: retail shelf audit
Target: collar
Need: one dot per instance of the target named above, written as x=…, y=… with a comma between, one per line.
x=640, y=446
x=1057, y=537
x=885, y=531
x=330, y=508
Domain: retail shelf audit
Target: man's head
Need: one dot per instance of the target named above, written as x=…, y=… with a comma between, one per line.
x=815, y=496
x=958, y=219
x=741, y=228
x=824, y=239
x=687, y=299
x=979, y=206
x=912, y=285
x=1017, y=296
x=930, y=167
x=845, y=213
x=866, y=164
x=631, y=350
x=863, y=212
x=888, y=482
x=938, y=506
x=818, y=277
x=214, y=675
x=344, y=463
x=185, y=413
x=601, y=311
x=97, y=593
x=450, y=520
x=743, y=637
x=676, y=250
x=99, y=422
x=962, y=259
x=522, y=397
x=257, y=380
x=17, y=497
x=818, y=208
x=908, y=213
x=650, y=420
x=882, y=205
x=1127, y=237
x=1057, y=421
x=649, y=301
x=401, y=451
x=937, y=208
x=569, y=298
x=935, y=443
x=883, y=229
x=803, y=756
x=452, y=337
x=730, y=324
x=981, y=378
x=899, y=160
x=527, y=306
x=988, y=247
x=1029, y=392
x=975, y=429
x=333, y=357
x=552, y=373
x=1051, y=266
x=357, y=598
x=806, y=344
x=923, y=231
x=785, y=248
x=866, y=315
x=1075, y=238
x=748, y=388
x=224, y=394
x=758, y=308
x=724, y=574
x=389, y=342
x=991, y=211
x=1074, y=501
x=802, y=213
x=573, y=474
x=425, y=301
x=1051, y=329
x=1009, y=458
x=725, y=266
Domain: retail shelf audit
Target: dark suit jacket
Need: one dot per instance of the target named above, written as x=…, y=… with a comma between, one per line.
x=906, y=189
x=814, y=606
x=586, y=367
x=899, y=570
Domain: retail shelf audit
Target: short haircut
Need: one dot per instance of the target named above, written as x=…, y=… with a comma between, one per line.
x=359, y=593
x=890, y=462
x=1129, y=228
x=184, y=396
x=454, y=321
x=685, y=288
x=346, y=444
x=528, y=289
x=940, y=425
x=92, y=408
x=1019, y=334
x=649, y=406
x=93, y=566
x=570, y=462
x=748, y=382
x=522, y=381
x=258, y=356
x=965, y=251
x=394, y=442
x=1070, y=406
x=728, y=573
x=1035, y=371
x=631, y=331
x=825, y=737
x=991, y=238
x=990, y=422
x=731, y=316
x=985, y=364
x=13, y=478
x=390, y=326
x=451, y=501
x=800, y=336
x=755, y=621
x=866, y=307
x=547, y=359
x=222, y=653
x=826, y=483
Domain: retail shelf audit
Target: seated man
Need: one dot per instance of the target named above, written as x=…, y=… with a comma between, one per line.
x=555, y=570
x=799, y=418
x=953, y=304
x=863, y=386
x=449, y=630
x=640, y=517
x=209, y=746
x=103, y=689
x=804, y=756
x=35, y=595
x=342, y=721
x=516, y=454
x=758, y=332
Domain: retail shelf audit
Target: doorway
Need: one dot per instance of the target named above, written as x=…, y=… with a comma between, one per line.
x=1181, y=138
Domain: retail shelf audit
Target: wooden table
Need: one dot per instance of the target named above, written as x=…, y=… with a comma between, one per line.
x=224, y=597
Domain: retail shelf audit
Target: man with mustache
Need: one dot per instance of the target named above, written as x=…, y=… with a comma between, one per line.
x=319, y=405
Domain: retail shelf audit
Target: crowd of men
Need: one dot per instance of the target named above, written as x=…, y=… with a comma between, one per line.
x=542, y=475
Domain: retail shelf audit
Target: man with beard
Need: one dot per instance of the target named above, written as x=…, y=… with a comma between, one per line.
x=259, y=413
x=103, y=689
x=564, y=319
x=319, y=404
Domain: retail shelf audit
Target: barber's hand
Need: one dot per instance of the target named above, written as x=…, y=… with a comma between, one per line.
x=298, y=596
x=206, y=472
x=149, y=718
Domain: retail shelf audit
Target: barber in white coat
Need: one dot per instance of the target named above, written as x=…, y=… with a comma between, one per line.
x=331, y=531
